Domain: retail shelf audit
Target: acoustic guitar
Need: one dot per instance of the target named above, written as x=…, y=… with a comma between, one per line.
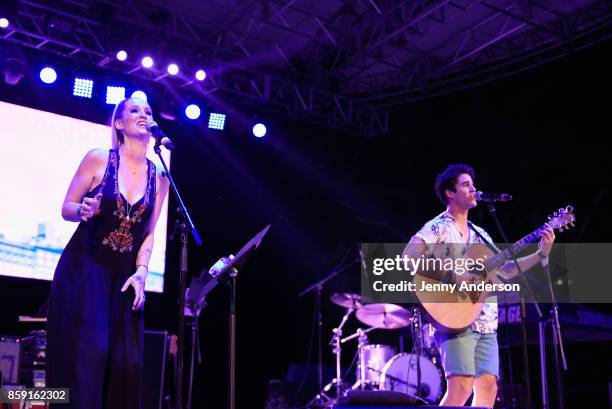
x=453, y=302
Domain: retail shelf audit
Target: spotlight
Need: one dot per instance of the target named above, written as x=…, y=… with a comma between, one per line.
x=216, y=121
x=193, y=111
x=122, y=55
x=147, y=62
x=139, y=95
x=200, y=75
x=82, y=88
x=114, y=95
x=259, y=130
x=4, y=23
x=48, y=75
x=173, y=69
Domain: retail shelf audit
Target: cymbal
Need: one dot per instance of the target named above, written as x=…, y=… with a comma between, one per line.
x=346, y=300
x=385, y=316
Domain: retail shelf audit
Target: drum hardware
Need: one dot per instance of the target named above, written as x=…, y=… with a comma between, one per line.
x=371, y=358
x=384, y=316
x=317, y=289
x=417, y=337
x=347, y=300
x=359, y=333
x=401, y=369
x=336, y=344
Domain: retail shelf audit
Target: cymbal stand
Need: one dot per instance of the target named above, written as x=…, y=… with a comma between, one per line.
x=362, y=338
x=336, y=343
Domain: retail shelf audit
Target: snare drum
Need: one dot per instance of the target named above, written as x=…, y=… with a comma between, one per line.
x=372, y=359
x=400, y=374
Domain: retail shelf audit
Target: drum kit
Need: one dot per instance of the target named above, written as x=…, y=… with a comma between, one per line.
x=381, y=367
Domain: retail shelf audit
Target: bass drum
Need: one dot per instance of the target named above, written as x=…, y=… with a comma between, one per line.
x=400, y=374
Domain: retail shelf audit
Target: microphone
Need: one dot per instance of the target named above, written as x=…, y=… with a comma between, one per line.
x=493, y=197
x=159, y=135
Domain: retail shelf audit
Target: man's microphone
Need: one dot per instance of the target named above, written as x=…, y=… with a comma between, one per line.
x=159, y=135
x=493, y=197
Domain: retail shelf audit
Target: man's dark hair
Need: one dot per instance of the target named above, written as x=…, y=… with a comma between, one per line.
x=447, y=179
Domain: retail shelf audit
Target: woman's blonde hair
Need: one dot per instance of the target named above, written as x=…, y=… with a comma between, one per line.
x=117, y=137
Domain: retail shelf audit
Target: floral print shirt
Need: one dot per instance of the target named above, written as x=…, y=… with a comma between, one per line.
x=443, y=229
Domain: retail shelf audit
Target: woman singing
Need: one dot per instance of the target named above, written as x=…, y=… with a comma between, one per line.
x=95, y=319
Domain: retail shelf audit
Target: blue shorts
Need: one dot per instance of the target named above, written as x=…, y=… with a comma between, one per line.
x=468, y=353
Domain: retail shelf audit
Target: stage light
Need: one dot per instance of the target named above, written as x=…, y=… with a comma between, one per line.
x=139, y=95
x=82, y=88
x=200, y=75
x=147, y=62
x=193, y=111
x=4, y=23
x=216, y=121
x=173, y=69
x=122, y=55
x=48, y=75
x=259, y=130
x=114, y=95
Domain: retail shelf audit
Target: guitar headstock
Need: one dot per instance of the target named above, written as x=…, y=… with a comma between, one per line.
x=562, y=219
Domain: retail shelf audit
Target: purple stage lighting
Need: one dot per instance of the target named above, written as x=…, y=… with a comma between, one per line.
x=48, y=75
x=147, y=62
x=4, y=23
x=200, y=75
x=216, y=121
x=193, y=111
x=82, y=88
x=139, y=95
x=122, y=55
x=173, y=69
x=114, y=95
x=259, y=130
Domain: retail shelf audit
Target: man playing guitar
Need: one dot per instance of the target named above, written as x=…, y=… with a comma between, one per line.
x=471, y=357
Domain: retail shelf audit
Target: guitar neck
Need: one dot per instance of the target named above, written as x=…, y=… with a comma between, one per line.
x=515, y=249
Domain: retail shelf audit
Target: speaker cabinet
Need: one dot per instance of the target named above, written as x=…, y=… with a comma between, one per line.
x=155, y=354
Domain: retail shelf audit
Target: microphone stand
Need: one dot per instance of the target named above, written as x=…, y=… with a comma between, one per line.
x=318, y=288
x=417, y=325
x=193, y=309
x=185, y=225
x=557, y=344
x=525, y=284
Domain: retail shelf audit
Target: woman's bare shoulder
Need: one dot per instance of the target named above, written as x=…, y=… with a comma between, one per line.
x=95, y=157
x=94, y=161
x=97, y=154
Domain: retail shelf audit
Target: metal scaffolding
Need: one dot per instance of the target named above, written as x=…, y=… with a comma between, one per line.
x=337, y=63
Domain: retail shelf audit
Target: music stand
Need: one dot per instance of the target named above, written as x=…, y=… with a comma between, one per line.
x=201, y=286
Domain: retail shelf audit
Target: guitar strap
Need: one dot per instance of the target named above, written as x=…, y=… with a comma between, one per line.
x=490, y=245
